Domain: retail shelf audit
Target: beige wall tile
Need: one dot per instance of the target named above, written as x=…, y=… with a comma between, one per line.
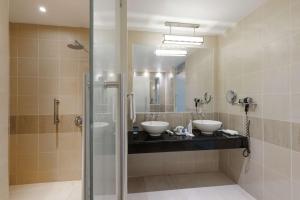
x=256, y=128
x=46, y=125
x=48, y=48
x=69, y=160
x=296, y=137
x=47, y=143
x=278, y=159
x=276, y=107
x=69, y=68
x=251, y=179
x=48, y=68
x=295, y=175
x=27, y=86
x=276, y=80
x=27, y=105
x=48, y=161
x=69, y=86
x=48, y=32
x=27, y=47
x=295, y=111
x=172, y=163
x=13, y=69
x=27, y=31
x=27, y=144
x=27, y=67
x=276, y=186
x=13, y=86
x=48, y=176
x=13, y=105
x=68, y=104
x=68, y=34
x=13, y=47
x=27, y=125
x=48, y=86
x=46, y=104
x=277, y=132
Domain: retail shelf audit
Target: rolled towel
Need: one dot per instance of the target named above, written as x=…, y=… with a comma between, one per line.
x=230, y=132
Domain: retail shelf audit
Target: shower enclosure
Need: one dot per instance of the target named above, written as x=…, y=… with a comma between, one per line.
x=105, y=170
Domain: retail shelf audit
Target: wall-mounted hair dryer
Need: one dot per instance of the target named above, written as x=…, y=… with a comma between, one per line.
x=246, y=103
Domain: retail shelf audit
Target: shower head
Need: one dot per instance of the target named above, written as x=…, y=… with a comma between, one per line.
x=76, y=46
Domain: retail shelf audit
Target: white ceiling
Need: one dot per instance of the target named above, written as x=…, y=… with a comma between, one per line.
x=214, y=16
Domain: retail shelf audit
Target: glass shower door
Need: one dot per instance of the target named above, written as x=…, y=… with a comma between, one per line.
x=106, y=101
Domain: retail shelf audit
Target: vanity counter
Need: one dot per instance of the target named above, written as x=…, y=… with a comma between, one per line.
x=144, y=143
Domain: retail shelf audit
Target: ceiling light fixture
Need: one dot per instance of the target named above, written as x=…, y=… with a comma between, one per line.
x=170, y=52
x=184, y=40
x=42, y=9
x=189, y=40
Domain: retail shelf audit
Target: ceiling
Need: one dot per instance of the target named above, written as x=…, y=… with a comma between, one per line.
x=214, y=16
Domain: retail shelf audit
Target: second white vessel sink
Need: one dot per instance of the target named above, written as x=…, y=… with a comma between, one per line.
x=155, y=128
x=207, y=126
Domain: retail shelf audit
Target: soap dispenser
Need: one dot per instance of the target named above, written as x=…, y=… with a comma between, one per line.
x=190, y=128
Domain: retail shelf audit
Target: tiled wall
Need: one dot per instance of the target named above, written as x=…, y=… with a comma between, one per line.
x=172, y=162
x=4, y=98
x=260, y=58
x=42, y=68
x=184, y=162
x=199, y=71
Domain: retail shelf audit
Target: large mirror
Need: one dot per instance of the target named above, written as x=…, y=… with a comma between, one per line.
x=171, y=83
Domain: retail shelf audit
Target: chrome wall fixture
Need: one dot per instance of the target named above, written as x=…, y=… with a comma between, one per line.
x=247, y=103
x=201, y=101
x=56, y=111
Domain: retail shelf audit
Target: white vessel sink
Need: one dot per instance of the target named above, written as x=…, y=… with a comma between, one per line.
x=207, y=126
x=155, y=128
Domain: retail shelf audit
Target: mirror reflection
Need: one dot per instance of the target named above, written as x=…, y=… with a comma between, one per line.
x=170, y=83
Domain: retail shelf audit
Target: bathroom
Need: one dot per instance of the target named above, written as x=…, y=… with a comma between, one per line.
x=146, y=100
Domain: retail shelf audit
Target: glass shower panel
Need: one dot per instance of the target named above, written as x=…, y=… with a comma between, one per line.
x=105, y=102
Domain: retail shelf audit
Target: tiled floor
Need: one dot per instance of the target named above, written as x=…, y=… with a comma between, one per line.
x=69, y=190
x=208, y=186
x=227, y=192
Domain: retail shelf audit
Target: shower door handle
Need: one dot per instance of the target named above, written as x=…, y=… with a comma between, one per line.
x=111, y=84
x=56, y=112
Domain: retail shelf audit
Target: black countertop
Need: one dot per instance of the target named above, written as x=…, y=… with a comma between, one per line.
x=144, y=143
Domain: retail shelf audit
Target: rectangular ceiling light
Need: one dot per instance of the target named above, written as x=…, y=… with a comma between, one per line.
x=170, y=52
x=184, y=40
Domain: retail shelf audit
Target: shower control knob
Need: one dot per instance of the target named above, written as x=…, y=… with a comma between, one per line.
x=78, y=121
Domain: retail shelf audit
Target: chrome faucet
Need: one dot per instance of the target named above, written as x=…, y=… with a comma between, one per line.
x=154, y=116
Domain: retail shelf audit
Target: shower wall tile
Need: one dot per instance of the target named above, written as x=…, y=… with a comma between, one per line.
x=42, y=68
x=48, y=68
x=262, y=54
x=295, y=174
x=278, y=159
x=27, y=48
x=276, y=186
x=49, y=48
x=296, y=137
x=277, y=132
x=27, y=67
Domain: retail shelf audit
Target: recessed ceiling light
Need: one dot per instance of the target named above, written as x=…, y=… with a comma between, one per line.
x=42, y=9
